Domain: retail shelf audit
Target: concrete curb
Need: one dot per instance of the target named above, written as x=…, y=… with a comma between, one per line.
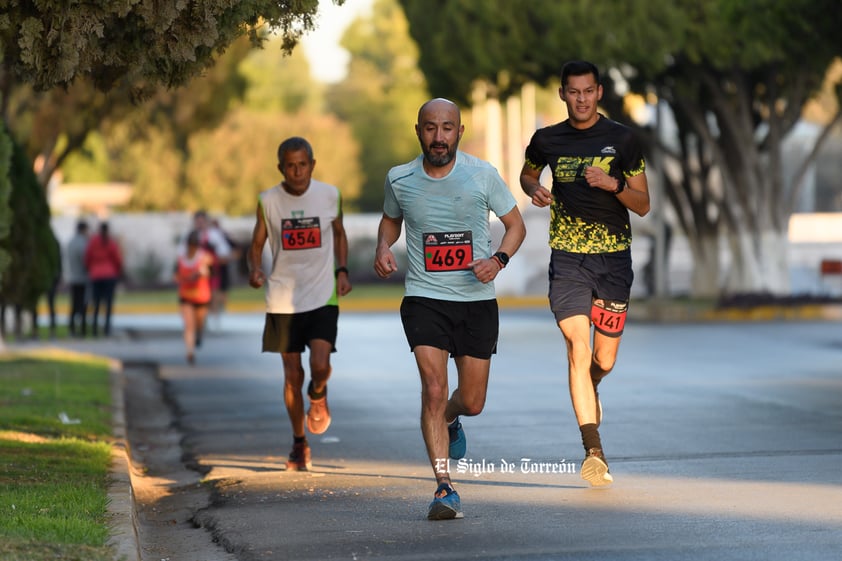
x=122, y=513
x=669, y=312
x=827, y=312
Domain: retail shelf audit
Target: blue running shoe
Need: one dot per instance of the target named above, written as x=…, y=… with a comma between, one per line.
x=458, y=444
x=446, y=504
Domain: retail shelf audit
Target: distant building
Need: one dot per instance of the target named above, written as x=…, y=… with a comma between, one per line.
x=78, y=199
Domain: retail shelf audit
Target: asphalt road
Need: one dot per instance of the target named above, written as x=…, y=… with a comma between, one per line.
x=724, y=439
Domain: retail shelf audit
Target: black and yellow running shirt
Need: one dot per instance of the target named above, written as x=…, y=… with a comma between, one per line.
x=585, y=219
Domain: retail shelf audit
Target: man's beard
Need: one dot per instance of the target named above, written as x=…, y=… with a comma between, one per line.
x=440, y=160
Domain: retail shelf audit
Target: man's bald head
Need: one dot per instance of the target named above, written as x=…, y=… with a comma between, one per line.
x=439, y=105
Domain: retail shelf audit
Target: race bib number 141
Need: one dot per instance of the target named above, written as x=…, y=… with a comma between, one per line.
x=301, y=233
x=448, y=251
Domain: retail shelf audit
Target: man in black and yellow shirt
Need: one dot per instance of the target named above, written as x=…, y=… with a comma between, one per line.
x=598, y=175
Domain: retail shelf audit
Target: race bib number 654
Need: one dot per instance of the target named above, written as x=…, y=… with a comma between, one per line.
x=301, y=233
x=448, y=251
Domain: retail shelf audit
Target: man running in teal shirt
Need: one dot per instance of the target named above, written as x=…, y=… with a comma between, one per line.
x=449, y=307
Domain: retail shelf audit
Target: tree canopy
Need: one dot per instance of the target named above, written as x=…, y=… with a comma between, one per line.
x=142, y=42
x=380, y=96
x=225, y=164
x=55, y=96
x=229, y=166
x=732, y=75
x=137, y=46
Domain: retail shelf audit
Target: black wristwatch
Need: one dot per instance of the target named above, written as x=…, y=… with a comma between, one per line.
x=340, y=270
x=502, y=257
x=621, y=184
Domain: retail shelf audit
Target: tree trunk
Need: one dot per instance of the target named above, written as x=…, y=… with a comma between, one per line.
x=759, y=263
x=704, y=281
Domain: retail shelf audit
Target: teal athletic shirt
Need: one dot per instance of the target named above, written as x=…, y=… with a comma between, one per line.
x=447, y=225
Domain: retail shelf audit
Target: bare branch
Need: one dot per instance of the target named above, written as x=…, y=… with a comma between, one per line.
x=797, y=181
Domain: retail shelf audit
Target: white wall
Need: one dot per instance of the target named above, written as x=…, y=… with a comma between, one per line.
x=812, y=239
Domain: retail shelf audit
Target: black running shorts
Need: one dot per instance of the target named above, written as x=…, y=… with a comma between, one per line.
x=576, y=279
x=461, y=328
x=290, y=333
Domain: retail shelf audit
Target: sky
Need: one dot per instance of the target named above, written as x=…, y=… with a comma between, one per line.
x=329, y=61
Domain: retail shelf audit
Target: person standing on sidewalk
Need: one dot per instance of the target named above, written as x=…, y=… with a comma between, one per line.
x=302, y=220
x=449, y=307
x=223, y=273
x=104, y=262
x=598, y=175
x=193, y=278
x=77, y=279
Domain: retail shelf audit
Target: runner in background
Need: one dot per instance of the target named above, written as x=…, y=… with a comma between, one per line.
x=193, y=277
x=301, y=218
x=212, y=239
x=223, y=271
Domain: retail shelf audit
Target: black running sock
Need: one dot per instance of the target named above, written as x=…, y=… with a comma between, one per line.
x=590, y=436
x=299, y=439
x=314, y=395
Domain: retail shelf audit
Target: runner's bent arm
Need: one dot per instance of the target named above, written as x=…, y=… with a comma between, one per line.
x=255, y=254
x=515, y=232
x=531, y=185
x=485, y=270
x=635, y=196
x=340, y=251
x=387, y=234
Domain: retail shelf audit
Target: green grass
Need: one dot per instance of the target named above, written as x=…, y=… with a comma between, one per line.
x=54, y=476
x=240, y=298
x=363, y=297
x=248, y=295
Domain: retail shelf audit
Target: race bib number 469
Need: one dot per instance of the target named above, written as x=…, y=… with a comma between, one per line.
x=448, y=251
x=301, y=233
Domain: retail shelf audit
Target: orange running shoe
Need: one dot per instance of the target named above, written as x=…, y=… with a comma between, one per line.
x=318, y=417
x=299, y=458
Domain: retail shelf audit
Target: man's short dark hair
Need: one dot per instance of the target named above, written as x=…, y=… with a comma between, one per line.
x=82, y=226
x=294, y=144
x=578, y=68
